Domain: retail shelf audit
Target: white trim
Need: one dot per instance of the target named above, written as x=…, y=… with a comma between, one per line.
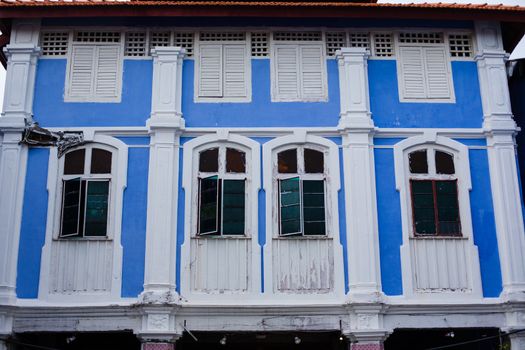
x=462, y=165
x=189, y=183
x=331, y=150
x=54, y=187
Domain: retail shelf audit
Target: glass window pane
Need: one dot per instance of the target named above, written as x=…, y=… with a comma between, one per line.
x=313, y=207
x=290, y=206
x=418, y=163
x=74, y=162
x=235, y=161
x=448, y=209
x=97, y=208
x=423, y=207
x=209, y=160
x=444, y=163
x=70, y=208
x=209, y=209
x=287, y=161
x=313, y=161
x=100, y=161
x=233, y=201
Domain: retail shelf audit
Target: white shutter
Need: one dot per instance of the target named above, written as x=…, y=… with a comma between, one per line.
x=438, y=82
x=107, y=71
x=235, y=70
x=312, y=72
x=287, y=72
x=210, y=71
x=81, y=71
x=412, y=72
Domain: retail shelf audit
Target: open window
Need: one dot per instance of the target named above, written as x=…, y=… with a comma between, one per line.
x=434, y=193
x=301, y=181
x=222, y=192
x=86, y=183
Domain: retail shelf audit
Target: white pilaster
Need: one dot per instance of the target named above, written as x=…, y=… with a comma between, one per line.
x=500, y=129
x=366, y=330
x=517, y=341
x=165, y=125
x=6, y=326
x=22, y=54
x=357, y=127
x=159, y=330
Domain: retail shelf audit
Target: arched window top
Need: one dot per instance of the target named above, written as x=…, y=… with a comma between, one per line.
x=222, y=159
x=431, y=161
x=300, y=160
x=88, y=160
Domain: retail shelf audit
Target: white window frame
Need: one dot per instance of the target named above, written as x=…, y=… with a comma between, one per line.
x=247, y=69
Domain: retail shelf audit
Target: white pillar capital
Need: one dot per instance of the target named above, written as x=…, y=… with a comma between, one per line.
x=353, y=84
x=158, y=328
x=166, y=110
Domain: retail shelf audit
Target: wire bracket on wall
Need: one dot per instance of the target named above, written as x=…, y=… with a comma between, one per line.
x=34, y=135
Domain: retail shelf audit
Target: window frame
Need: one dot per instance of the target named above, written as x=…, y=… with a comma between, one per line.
x=87, y=177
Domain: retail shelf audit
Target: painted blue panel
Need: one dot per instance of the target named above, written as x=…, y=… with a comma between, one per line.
x=389, y=112
x=33, y=229
x=134, y=222
x=261, y=111
x=134, y=140
x=378, y=141
x=473, y=142
x=50, y=110
x=483, y=224
x=389, y=222
x=342, y=218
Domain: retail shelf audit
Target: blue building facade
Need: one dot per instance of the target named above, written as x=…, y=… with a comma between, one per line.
x=243, y=179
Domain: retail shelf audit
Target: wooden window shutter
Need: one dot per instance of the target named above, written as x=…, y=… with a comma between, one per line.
x=412, y=72
x=287, y=72
x=82, y=71
x=312, y=78
x=210, y=71
x=107, y=71
x=234, y=71
x=438, y=83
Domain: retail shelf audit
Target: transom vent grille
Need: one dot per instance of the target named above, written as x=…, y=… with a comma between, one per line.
x=224, y=36
x=383, y=45
x=135, y=44
x=185, y=40
x=54, y=43
x=360, y=40
x=260, y=44
x=159, y=39
x=298, y=36
x=421, y=38
x=97, y=37
x=334, y=41
x=460, y=45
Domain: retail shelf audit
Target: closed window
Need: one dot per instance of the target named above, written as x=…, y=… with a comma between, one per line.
x=301, y=181
x=299, y=72
x=94, y=68
x=86, y=184
x=223, y=69
x=434, y=193
x=222, y=192
x=424, y=68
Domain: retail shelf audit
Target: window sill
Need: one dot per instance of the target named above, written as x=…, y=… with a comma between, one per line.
x=62, y=239
x=220, y=237
x=312, y=237
x=429, y=237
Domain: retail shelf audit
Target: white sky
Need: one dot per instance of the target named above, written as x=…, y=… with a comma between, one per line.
x=506, y=2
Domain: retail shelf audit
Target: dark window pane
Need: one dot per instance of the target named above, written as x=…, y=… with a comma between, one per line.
x=233, y=200
x=423, y=207
x=70, y=208
x=444, y=163
x=417, y=161
x=97, y=208
x=290, y=206
x=287, y=161
x=74, y=162
x=209, y=160
x=448, y=209
x=100, y=161
x=313, y=161
x=235, y=161
x=209, y=209
x=313, y=207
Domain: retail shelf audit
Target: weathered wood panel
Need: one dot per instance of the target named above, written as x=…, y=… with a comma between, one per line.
x=303, y=265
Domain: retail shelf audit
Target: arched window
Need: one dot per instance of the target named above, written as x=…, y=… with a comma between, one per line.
x=434, y=193
x=302, y=190
x=222, y=191
x=86, y=185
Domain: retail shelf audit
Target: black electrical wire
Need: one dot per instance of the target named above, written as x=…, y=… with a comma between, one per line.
x=474, y=340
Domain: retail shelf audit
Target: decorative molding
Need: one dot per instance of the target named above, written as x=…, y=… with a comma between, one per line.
x=158, y=325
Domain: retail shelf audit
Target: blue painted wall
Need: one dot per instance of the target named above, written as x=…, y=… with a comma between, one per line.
x=33, y=229
x=133, y=237
x=50, y=110
x=388, y=112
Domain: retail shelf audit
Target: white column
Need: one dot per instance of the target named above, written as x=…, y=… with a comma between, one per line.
x=22, y=54
x=500, y=129
x=165, y=125
x=357, y=128
x=6, y=326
